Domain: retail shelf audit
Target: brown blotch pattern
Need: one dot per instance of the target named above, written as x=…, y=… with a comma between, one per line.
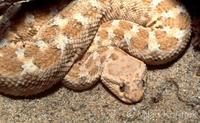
x=93, y=71
x=102, y=59
x=114, y=56
x=9, y=63
x=125, y=25
x=73, y=29
x=175, y=22
x=48, y=35
x=48, y=58
x=166, y=5
x=103, y=33
x=140, y=41
x=91, y=13
x=119, y=34
x=102, y=50
x=43, y=59
x=166, y=43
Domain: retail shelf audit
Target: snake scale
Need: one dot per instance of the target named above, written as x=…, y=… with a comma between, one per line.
x=96, y=39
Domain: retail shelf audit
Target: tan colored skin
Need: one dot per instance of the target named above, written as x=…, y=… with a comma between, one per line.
x=119, y=72
x=154, y=31
x=123, y=75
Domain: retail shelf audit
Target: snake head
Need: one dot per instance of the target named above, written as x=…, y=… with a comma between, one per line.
x=128, y=92
x=124, y=78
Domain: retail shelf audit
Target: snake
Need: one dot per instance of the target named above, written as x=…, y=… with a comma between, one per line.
x=91, y=40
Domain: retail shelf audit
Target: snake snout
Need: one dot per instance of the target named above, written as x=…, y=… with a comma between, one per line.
x=131, y=93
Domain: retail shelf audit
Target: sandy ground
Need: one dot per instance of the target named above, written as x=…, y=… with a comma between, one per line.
x=172, y=92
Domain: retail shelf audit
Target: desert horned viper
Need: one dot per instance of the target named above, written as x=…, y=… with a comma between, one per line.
x=96, y=39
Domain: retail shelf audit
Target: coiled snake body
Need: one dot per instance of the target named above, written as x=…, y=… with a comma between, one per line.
x=92, y=39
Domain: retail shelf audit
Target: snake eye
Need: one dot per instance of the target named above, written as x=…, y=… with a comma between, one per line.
x=122, y=87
